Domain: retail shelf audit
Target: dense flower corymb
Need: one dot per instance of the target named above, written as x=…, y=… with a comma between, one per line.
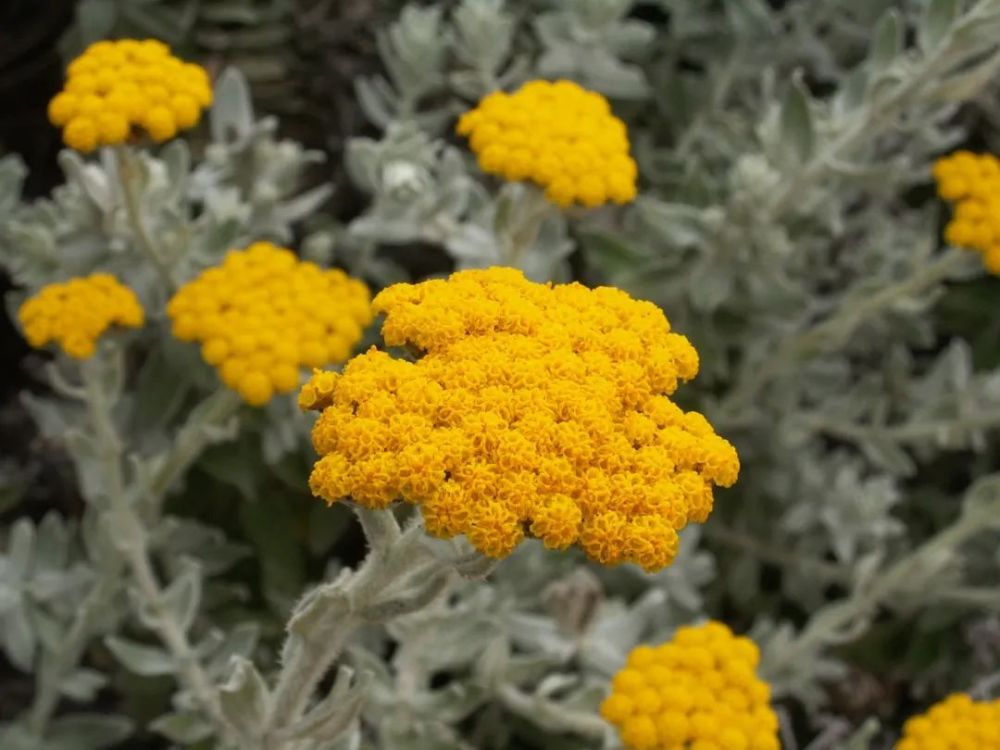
x=262, y=314
x=699, y=690
x=558, y=135
x=972, y=183
x=532, y=407
x=74, y=314
x=116, y=88
x=955, y=722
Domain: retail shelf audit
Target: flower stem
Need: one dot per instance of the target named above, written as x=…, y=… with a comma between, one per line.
x=326, y=618
x=194, y=436
x=552, y=716
x=113, y=565
x=529, y=212
x=133, y=544
x=129, y=172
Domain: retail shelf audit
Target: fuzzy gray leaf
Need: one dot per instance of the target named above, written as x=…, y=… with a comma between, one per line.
x=183, y=595
x=244, y=698
x=148, y=661
x=938, y=19
x=887, y=40
x=19, y=638
x=182, y=727
x=83, y=684
x=232, y=112
x=796, y=122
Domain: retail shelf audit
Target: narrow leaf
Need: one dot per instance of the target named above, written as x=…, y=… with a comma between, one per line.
x=244, y=699
x=937, y=21
x=20, y=550
x=147, y=661
x=796, y=121
x=18, y=637
x=82, y=685
x=183, y=595
x=887, y=40
x=232, y=112
x=183, y=727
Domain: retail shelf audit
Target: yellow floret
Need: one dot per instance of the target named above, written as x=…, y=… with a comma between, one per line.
x=76, y=313
x=160, y=124
x=559, y=135
x=680, y=695
x=531, y=407
x=124, y=88
x=113, y=127
x=62, y=108
x=262, y=315
x=81, y=134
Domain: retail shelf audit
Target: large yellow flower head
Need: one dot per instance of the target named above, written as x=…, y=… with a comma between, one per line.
x=262, y=315
x=699, y=691
x=972, y=183
x=74, y=314
x=115, y=89
x=558, y=135
x=955, y=722
x=533, y=408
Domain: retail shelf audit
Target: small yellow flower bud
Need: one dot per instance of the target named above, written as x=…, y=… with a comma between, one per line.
x=559, y=135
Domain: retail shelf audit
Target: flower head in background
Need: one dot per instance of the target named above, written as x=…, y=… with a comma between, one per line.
x=75, y=314
x=972, y=183
x=558, y=135
x=955, y=722
x=532, y=408
x=263, y=314
x=115, y=89
x=700, y=689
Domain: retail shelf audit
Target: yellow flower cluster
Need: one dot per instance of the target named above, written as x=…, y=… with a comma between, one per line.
x=262, y=314
x=699, y=691
x=558, y=135
x=75, y=313
x=972, y=183
x=531, y=408
x=956, y=722
x=114, y=87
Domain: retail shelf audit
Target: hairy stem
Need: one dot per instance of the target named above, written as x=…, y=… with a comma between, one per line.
x=552, y=716
x=108, y=584
x=325, y=620
x=194, y=436
x=192, y=675
x=129, y=175
x=133, y=544
x=907, y=432
x=527, y=214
